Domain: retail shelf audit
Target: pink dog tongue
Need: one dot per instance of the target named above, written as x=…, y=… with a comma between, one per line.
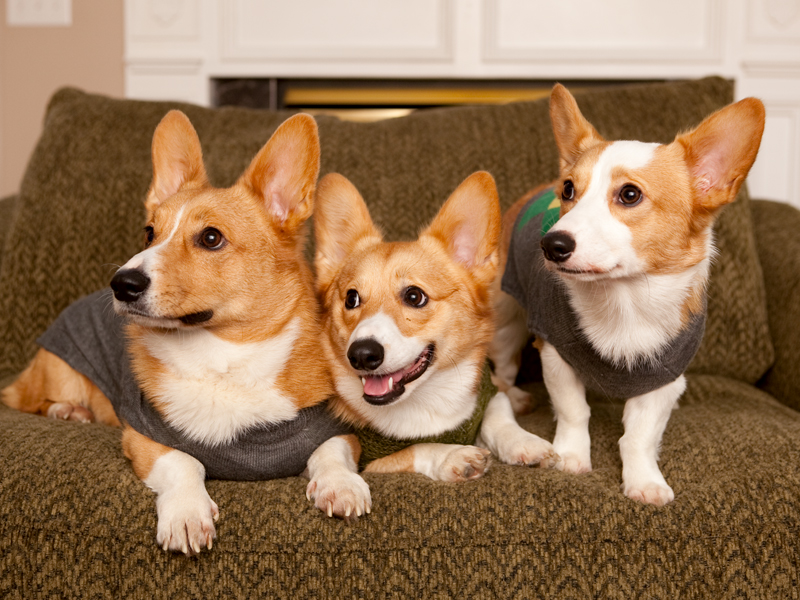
x=377, y=385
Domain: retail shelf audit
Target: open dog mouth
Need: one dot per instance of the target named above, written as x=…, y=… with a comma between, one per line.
x=380, y=390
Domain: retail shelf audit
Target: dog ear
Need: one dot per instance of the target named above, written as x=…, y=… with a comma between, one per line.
x=341, y=223
x=721, y=150
x=284, y=172
x=573, y=133
x=177, y=159
x=469, y=225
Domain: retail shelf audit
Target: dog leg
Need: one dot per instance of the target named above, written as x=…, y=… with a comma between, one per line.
x=186, y=513
x=335, y=485
x=50, y=387
x=568, y=396
x=501, y=434
x=506, y=348
x=645, y=418
x=440, y=462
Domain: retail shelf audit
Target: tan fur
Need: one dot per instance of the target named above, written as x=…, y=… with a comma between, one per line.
x=141, y=451
x=683, y=185
x=399, y=462
x=668, y=235
x=670, y=228
x=352, y=255
x=572, y=140
x=256, y=285
x=149, y=370
x=259, y=281
x=462, y=312
x=48, y=380
x=379, y=271
x=251, y=285
x=355, y=446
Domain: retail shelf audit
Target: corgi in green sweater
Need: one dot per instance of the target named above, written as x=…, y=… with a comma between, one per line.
x=407, y=327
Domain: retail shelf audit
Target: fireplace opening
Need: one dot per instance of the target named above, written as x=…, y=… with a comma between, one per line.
x=375, y=99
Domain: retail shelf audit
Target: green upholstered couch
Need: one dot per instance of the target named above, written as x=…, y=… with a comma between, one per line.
x=76, y=522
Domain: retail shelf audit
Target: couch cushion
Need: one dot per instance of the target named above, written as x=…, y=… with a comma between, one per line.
x=75, y=520
x=777, y=226
x=80, y=205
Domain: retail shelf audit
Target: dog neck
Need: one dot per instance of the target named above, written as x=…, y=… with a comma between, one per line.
x=629, y=320
x=211, y=389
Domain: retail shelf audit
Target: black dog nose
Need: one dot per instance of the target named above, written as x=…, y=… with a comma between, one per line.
x=365, y=354
x=558, y=246
x=129, y=284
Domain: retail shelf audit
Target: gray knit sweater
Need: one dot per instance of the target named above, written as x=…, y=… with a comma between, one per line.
x=551, y=318
x=90, y=337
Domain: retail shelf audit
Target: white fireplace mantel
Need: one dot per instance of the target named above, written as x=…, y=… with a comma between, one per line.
x=173, y=48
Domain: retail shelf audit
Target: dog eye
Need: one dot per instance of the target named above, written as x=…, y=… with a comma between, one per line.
x=413, y=296
x=630, y=195
x=149, y=234
x=211, y=238
x=352, y=300
x=568, y=191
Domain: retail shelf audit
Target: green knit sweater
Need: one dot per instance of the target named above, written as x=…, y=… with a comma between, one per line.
x=375, y=445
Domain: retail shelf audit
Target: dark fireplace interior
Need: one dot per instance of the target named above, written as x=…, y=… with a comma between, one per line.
x=373, y=99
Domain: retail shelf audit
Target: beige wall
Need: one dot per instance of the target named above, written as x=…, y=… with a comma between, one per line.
x=36, y=61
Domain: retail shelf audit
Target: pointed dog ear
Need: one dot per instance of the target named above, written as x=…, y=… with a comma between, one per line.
x=469, y=225
x=177, y=159
x=721, y=150
x=284, y=172
x=341, y=224
x=573, y=133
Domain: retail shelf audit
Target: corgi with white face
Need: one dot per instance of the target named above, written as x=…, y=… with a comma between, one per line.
x=222, y=330
x=614, y=288
x=407, y=328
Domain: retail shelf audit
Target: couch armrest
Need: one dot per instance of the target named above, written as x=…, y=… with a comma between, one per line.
x=8, y=207
x=777, y=230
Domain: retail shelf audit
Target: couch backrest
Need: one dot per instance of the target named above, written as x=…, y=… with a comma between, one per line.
x=80, y=207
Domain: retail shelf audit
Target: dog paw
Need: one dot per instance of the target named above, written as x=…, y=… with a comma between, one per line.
x=67, y=412
x=521, y=401
x=341, y=493
x=520, y=447
x=652, y=492
x=573, y=463
x=186, y=524
x=464, y=463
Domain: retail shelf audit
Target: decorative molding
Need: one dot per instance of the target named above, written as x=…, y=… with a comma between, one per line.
x=184, y=81
x=771, y=22
x=533, y=46
x=783, y=12
x=163, y=19
x=773, y=68
x=312, y=36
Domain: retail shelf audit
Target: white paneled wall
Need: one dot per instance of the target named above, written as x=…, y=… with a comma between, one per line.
x=174, y=47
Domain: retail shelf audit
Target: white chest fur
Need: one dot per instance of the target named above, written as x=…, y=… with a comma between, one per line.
x=629, y=320
x=214, y=389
